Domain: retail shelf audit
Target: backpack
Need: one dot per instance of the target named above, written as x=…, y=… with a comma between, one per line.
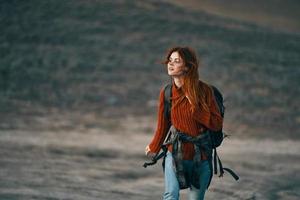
x=216, y=136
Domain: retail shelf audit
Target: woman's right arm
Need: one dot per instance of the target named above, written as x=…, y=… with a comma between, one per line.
x=161, y=129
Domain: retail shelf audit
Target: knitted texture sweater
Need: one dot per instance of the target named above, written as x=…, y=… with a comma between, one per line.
x=191, y=123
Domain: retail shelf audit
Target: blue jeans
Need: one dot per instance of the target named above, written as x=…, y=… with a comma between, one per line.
x=171, y=183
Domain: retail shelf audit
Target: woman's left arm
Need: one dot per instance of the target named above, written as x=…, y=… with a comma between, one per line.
x=211, y=119
x=216, y=120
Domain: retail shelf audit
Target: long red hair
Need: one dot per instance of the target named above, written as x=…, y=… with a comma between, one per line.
x=191, y=87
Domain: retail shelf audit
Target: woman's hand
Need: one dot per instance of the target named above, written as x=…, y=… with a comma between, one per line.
x=149, y=153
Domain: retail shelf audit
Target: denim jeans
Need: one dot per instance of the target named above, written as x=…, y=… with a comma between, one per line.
x=171, y=183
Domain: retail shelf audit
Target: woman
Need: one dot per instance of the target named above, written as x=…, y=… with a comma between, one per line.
x=194, y=110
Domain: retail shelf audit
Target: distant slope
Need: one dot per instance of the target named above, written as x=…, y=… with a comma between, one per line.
x=280, y=15
x=103, y=57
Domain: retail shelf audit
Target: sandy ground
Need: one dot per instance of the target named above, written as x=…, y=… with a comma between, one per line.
x=98, y=164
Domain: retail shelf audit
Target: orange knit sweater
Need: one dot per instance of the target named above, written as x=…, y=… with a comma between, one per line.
x=191, y=123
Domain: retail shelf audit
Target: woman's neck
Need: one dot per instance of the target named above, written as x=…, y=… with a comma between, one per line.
x=178, y=81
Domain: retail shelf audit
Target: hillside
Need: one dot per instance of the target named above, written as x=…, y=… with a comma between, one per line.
x=279, y=15
x=67, y=60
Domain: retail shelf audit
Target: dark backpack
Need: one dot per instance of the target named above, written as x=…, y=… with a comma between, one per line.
x=216, y=136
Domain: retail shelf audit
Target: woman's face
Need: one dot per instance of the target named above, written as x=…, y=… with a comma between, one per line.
x=175, y=65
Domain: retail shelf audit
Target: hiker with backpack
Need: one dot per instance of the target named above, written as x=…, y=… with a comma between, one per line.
x=188, y=117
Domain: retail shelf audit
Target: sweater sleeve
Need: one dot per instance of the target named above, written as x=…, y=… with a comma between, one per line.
x=211, y=119
x=162, y=126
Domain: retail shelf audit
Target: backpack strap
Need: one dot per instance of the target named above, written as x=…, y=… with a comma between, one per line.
x=216, y=160
x=167, y=101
